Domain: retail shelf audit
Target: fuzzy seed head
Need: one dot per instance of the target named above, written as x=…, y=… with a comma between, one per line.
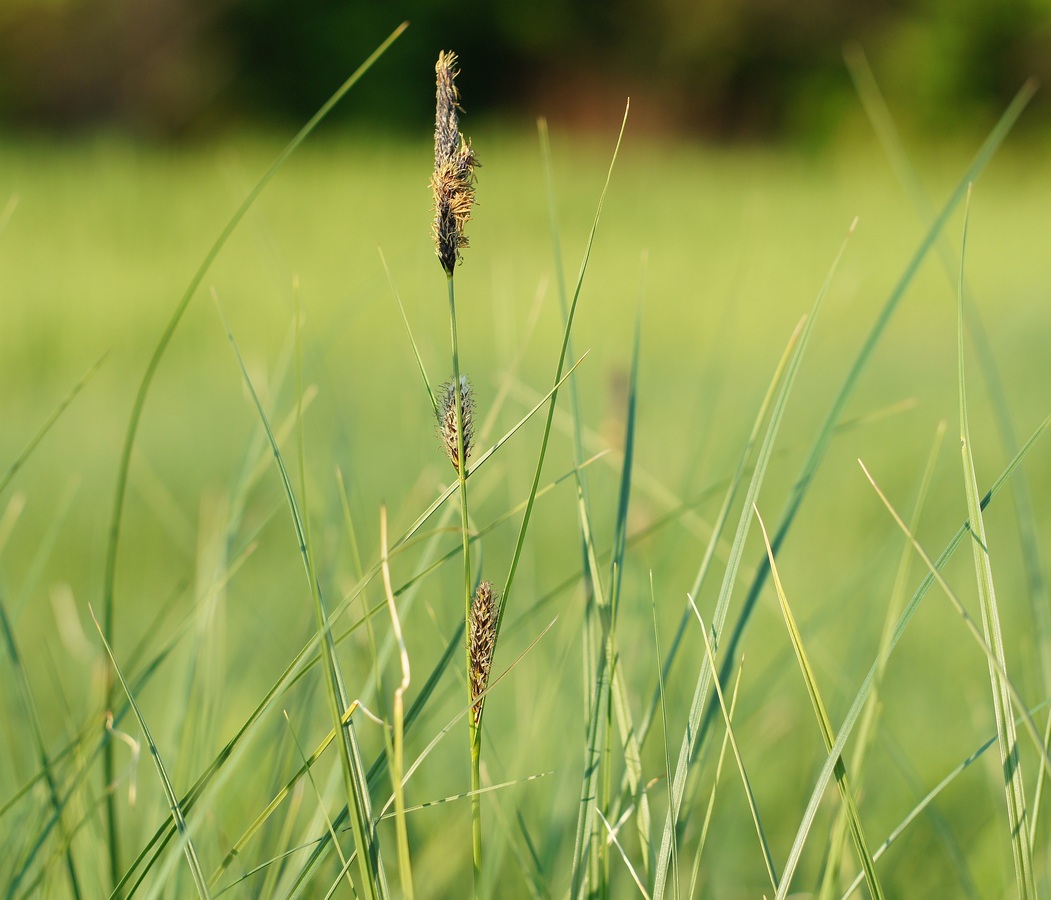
x=447, y=419
x=482, y=642
x=454, y=163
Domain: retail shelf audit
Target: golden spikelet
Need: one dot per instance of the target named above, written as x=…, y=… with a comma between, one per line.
x=454, y=164
x=482, y=642
x=447, y=419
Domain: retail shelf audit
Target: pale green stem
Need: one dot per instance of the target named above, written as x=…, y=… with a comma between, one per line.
x=473, y=732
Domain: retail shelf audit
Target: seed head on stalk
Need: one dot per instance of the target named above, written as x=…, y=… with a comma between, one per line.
x=482, y=642
x=447, y=419
x=454, y=164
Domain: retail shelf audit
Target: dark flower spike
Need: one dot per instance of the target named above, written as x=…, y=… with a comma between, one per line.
x=447, y=419
x=482, y=643
x=454, y=164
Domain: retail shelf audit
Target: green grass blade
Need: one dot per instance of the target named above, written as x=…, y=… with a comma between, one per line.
x=862, y=695
x=166, y=785
x=412, y=339
x=857, y=832
x=56, y=414
x=690, y=739
x=1008, y=738
x=369, y=857
x=924, y=803
x=883, y=124
x=768, y=860
x=715, y=784
x=124, y=464
x=827, y=429
x=558, y=379
x=32, y=715
x=869, y=723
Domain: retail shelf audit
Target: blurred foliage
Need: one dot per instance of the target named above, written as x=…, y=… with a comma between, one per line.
x=754, y=68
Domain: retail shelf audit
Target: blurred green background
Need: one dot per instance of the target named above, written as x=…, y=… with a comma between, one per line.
x=133, y=129
x=752, y=68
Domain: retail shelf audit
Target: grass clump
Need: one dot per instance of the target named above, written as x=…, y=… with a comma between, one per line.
x=616, y=494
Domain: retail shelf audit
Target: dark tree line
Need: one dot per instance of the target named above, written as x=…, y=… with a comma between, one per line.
x=722, y=67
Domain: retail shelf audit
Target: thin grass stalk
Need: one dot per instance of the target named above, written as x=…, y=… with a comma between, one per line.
x=1008, y=738
x=972, y=628
x=124, y=465
x=397, y=766
x=474, y=742
x=860, y=699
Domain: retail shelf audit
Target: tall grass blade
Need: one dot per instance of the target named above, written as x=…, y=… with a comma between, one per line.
x=1005, y=728
x=397, y=766
x=691, y=737
x=860, y=699
x=869, y=723
x=857, y=832
x=369, y=858
x=825, y=433
x=166, y=785
x=558, y=379
x=124, y=465
x=56, y=414
x=889, y=137
x=32, y=715
x=715, y=785
x=753, y=808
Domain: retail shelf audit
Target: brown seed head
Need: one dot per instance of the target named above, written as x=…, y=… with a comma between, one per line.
x=447, y=419
x=454, y=164
x=482, y=642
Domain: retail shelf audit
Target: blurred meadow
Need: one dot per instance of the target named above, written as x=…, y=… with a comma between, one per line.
x=709, y=254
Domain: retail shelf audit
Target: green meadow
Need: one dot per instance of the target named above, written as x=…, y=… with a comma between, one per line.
x=742, y=391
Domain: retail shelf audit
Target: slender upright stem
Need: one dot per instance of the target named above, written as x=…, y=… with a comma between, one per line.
x=461, y=469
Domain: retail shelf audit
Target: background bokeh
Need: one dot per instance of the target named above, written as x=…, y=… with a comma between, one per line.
x=739, y=68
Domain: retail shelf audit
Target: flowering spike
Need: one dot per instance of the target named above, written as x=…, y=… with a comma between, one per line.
x=447, y=419
x=482, y=642
x=454, y=164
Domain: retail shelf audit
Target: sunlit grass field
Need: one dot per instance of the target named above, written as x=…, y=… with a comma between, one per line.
x=717, y=254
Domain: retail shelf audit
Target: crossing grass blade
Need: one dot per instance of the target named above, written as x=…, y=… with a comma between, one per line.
x=169, y=792
x=715, y=785
x=1005, y=728
x=691, y=736
x=124, y=465
x=826, y=431
x=860, y=699
x=857, y=832
x=32, y=717
x=883, y=124
x=370, y=862
x=753, y=808
x=869, y=723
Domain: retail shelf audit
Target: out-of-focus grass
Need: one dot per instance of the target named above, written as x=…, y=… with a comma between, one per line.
x=105, y=235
